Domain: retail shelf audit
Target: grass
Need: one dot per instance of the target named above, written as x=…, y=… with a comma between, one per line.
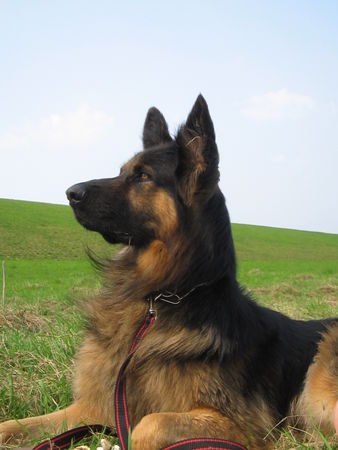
x=301, y=289
x=48, y=276
x=275, y=244
x=32, y=230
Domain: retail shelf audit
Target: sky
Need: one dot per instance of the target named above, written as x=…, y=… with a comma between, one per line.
x=77, y=78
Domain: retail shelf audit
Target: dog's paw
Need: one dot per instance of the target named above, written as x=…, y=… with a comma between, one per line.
x=9, y=430
x=149, y=433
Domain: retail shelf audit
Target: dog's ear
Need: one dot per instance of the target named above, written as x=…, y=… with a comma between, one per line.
x=198, y=166
x=199, y=119
x=155, y=130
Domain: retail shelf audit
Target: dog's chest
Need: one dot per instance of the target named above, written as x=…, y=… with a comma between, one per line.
x=157, y=379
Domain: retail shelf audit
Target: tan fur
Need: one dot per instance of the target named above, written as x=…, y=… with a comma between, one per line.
x=164, y=208
x=153, y=262
x=317, y=402
x=34, y=427
x=161, y=429
x=139, y=200
x=160, y=205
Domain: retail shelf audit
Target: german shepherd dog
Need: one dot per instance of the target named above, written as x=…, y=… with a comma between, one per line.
x=214, y=363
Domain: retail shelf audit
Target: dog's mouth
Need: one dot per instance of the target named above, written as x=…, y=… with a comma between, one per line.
x=117, y=237
x=111, y=235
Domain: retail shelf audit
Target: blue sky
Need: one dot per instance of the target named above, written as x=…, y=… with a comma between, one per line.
x=77, y=77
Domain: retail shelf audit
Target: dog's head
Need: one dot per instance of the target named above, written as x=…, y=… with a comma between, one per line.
x=160, y=189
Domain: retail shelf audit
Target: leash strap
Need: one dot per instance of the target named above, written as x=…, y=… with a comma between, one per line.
x=64, y=440
x=121, y=410
x=205, y=444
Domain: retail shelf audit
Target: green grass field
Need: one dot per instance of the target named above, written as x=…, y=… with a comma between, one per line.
x=48, y=276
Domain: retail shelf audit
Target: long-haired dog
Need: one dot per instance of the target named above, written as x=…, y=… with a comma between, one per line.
x=215, y=363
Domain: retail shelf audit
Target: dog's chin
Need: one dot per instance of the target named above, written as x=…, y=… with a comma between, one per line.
x=113, y=237
x=87, y=224
x=117, y=237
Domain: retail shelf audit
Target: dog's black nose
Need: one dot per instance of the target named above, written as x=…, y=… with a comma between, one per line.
x=76, y=193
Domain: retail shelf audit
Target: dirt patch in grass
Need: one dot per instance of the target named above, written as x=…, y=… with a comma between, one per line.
x=22, y=319
x=277, y=290
x=286, y=289
x=291, y=437
x=328, y=289
x=304, y=277
x=329, y=294
x=81, y=294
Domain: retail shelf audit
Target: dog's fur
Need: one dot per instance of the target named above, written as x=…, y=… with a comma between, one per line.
x=214, y=365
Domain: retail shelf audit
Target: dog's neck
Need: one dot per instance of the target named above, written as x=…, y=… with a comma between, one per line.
x=174, y=297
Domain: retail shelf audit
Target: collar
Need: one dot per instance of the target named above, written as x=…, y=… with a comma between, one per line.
x=170, y=297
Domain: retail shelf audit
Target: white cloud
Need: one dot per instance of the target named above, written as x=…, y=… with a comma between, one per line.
x=80, y=127
x=276, y=105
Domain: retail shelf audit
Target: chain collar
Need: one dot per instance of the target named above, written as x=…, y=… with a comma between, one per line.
x=170, y=297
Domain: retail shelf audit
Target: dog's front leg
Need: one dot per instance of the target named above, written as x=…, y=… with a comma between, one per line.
x=158, y=430
x=54, y=423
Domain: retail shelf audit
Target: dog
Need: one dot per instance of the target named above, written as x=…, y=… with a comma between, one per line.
x=214, y=363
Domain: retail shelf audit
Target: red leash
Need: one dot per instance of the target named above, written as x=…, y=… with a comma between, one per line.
x=121, y=410
x=65, y=440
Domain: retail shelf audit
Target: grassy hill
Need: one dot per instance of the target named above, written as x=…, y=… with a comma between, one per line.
x=45, y=252
x=30, y=230
x=48, y=277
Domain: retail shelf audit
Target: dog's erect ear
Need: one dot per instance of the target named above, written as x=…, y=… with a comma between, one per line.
x=199, y=119
x=198, y=167
x=155, y=130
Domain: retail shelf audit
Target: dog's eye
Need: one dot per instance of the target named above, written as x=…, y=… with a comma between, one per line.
x=143, y=177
